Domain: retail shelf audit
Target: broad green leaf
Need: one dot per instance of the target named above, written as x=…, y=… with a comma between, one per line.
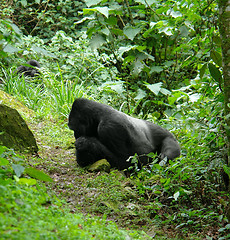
x=167, y=182
x=96, y=41
x=162, y=26
x=111, y=20
x=222, y=230
x=142, y=48
x=140, y=94
x=217, y=40
x=155, y=88
x=159, y=24
x=166, y=30
x=187, y=192
x=34, y=173
x=138, y=66
x=226, y=169
x=174, y=14
x=90, y=3
x=202, y=70
x=148, y=32
x=169, y=63
x=147, y=3
x=18, y=169
x=103, y=10
x=89, y=10
x=163, y=180
x=216, y=57
x=172, y=100
x=15, y=28
x=152, y=24
x=157, y=192
x=43, y=51
x=150, y=57
x=215, y=72
x=184, y=31
x=129, y=59
x=156, y=69
x=115, y=86
x=105, y=31
x=152, y=155
x=3, y=162
x=165, y=91
x=27, y=181
x=227, y=226
x=24, y=3
x=10, y=49
x=121, y=50
x=194, y=97
x=131, y=32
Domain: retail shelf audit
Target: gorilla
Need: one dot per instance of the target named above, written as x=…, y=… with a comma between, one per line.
x=103, y=132
x=30, y=69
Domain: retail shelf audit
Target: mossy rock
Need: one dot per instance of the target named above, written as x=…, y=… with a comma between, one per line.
x=101, y=165
x=14, y=132
x=12, y=102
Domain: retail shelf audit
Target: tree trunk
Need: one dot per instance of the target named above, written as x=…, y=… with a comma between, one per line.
x=224, y=26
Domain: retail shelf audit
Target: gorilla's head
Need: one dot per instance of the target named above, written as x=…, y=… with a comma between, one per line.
x=82, y=120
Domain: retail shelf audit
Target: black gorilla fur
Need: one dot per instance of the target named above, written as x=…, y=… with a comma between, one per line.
x=103, y=132
x=27, y=70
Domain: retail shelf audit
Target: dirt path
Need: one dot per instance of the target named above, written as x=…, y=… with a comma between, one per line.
x=108, y=195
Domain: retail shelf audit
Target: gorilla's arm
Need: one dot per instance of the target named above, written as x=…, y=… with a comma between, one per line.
x=90, y=150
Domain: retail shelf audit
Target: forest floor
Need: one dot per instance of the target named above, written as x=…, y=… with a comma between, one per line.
x=108, y=195
x=111, y=196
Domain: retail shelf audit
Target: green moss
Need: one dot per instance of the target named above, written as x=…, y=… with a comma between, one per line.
x=10, y=101
x=14, y=131
x=101, y=165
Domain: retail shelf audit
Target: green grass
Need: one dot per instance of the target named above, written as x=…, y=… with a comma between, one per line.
x=45, y=94
x=27, y=212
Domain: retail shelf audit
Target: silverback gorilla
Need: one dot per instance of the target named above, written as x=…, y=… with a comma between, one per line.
x=30, y=69
x=103, y=132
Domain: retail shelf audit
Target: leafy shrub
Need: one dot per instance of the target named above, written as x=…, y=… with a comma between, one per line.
x=13, y=165
x=154, y=45
x=9, y=35
x=44, y=18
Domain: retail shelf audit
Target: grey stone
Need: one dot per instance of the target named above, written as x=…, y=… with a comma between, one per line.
x=14, y=132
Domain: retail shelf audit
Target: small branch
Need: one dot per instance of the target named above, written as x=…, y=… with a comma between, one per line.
x=123, y=24
x=40, y=19
x=130, y=14
x=151, y=9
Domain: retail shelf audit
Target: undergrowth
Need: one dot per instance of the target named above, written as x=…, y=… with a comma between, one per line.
x=28, y=211
x=185, y=198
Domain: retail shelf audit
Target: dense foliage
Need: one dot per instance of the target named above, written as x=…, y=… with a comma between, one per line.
x=43, y=18
x=27, y=211
x=160, y=60
x=156, y=45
